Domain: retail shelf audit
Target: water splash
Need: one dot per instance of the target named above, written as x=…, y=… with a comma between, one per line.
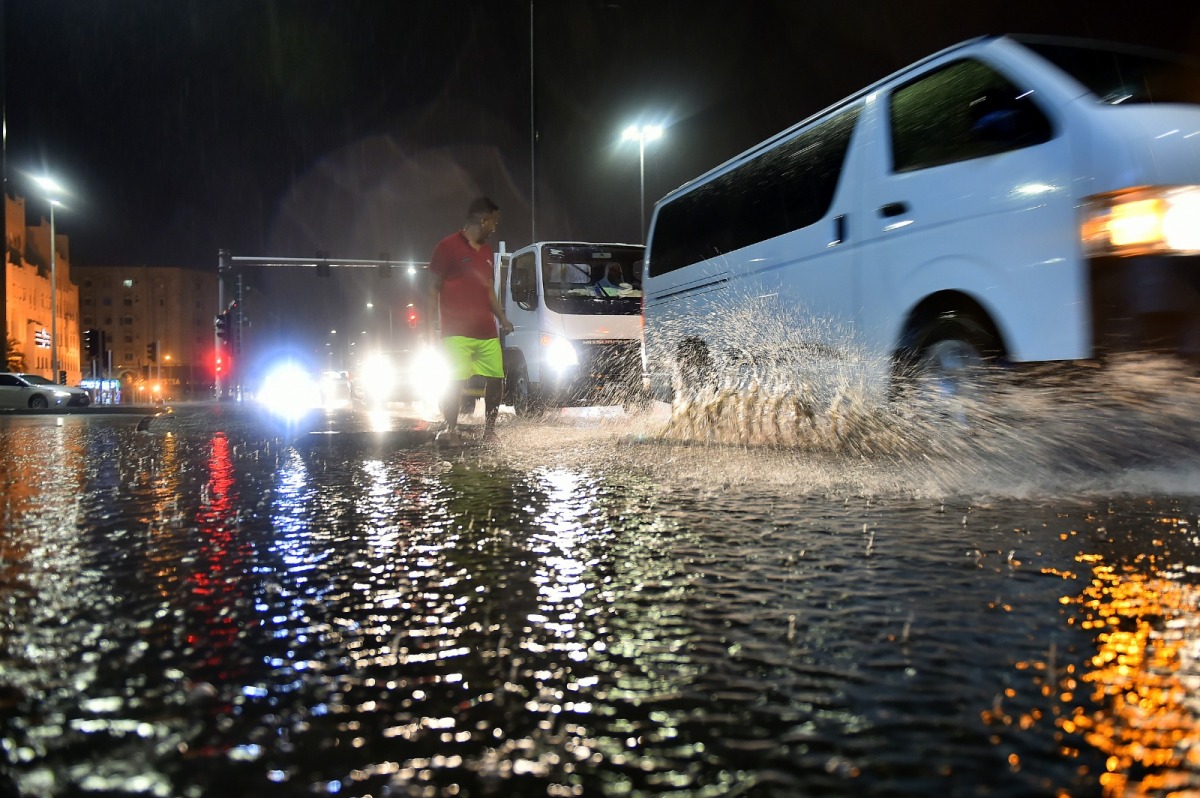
x=787, y=399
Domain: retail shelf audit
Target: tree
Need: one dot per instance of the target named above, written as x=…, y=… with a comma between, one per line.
x=16, y=358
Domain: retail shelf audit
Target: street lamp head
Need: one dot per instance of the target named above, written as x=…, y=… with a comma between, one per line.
x=644, y=133
x=49, y=185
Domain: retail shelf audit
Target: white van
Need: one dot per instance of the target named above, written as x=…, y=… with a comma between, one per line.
x=576, y=311
x=1010, y=199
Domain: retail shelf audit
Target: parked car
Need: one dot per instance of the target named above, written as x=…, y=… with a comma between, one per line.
x=36, y=392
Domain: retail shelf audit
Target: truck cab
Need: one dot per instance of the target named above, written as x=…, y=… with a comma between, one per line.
x=576, y=311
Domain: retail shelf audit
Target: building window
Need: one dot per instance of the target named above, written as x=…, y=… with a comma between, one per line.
x=128, y=283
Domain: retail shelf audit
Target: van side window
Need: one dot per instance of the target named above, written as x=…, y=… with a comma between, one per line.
x=964, y=110
x=788, y=186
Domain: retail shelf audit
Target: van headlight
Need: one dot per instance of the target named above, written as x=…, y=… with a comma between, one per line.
x=557, y=353
x=1143, y=221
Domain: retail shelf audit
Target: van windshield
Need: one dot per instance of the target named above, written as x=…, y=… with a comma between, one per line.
x=1123, y=75
x=584, y=279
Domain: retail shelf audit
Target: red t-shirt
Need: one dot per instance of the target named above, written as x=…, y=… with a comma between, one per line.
x=466, y=275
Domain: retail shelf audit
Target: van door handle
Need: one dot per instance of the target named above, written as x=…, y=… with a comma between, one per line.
x=839, y=230
x=893, y=209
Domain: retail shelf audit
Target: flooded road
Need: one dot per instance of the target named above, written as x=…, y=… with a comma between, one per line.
x=218, y=607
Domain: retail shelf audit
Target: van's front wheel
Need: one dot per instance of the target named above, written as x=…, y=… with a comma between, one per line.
x=948, y=368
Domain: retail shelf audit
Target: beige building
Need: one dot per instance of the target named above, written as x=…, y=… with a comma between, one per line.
x=28, y=307
x=139, y=307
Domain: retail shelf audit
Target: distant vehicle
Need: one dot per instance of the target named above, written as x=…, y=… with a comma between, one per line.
x=576, y=313
x=337, y=392
x=35, y=392
x=1009, y=199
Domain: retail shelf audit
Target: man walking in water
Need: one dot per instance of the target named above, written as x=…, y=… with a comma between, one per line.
x=463, y=298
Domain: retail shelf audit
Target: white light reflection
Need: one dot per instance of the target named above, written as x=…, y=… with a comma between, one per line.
x=291, y=515
x=566, y=524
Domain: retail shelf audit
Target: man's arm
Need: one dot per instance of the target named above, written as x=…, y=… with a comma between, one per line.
x=498, y=312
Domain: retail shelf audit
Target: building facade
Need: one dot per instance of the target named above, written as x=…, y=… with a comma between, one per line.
x=158, y=326
x=29, y=300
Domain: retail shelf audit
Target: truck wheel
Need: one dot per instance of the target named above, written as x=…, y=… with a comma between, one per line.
x=524, y=400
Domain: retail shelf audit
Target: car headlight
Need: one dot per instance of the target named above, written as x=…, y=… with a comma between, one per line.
x=558, y=353
x=430, y=374
x=1143, y=221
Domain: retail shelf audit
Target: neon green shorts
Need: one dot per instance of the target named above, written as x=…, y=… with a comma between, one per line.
x=467, y=356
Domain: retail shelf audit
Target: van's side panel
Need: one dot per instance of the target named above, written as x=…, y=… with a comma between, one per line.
x=1000, y=229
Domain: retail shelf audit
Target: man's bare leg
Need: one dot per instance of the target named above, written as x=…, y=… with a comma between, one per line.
x=493, y=394
x=451, y=405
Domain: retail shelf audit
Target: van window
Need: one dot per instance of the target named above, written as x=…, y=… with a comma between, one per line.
x=1122, y=76
x=789, y=186
x=962, y=111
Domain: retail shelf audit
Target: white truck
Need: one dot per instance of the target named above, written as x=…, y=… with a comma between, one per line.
x=576, y=311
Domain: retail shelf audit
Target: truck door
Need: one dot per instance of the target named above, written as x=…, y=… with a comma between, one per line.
x=522, y=306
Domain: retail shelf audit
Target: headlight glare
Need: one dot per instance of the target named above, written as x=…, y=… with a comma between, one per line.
x=558, y=352
x=1143, y=221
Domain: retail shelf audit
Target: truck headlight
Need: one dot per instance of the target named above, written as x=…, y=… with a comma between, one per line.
x=1143, y=221
x=558, y=353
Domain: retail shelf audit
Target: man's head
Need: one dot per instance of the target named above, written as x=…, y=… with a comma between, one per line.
x=614, y=273
x=483, y=217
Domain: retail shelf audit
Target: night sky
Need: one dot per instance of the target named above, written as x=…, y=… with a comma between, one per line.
x=364, y=127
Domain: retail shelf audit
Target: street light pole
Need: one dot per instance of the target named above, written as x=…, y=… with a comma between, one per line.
x=49, y=185
x=53, y=298
x=641, y=135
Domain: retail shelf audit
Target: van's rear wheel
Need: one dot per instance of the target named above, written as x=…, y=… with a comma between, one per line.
x=693, y=368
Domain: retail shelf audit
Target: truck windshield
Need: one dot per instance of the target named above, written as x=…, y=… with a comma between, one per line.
x=1123, y=75
x=593, y=279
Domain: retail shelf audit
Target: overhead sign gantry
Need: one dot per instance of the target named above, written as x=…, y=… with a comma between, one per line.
x=228, y=323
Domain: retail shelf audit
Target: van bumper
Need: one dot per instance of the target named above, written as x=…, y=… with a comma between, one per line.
x=1148, y=303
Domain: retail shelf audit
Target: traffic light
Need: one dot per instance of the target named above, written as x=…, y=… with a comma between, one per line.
x=91, y=342
x=152, y=351
x=412, y=317
x=221, y=323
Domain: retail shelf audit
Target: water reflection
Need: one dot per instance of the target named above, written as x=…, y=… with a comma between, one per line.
x=1134, y=699
x=1145, y=673
x=220, y=612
